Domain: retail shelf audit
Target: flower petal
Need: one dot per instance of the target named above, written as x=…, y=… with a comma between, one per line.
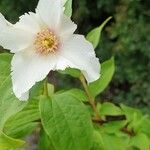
x=63, y=63
x=24, y=96
x=67, y=27
x=27, y=69
x=50, y=12
x=29, y=22
x=4, y=22
x=12, y=38
x=80, y=53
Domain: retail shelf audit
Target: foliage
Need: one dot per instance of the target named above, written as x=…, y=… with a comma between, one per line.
x=126, y=37
x=131, y=35
x=71, y=119
x=67, y=121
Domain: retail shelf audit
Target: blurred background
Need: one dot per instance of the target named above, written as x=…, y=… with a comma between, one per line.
x=126, y=36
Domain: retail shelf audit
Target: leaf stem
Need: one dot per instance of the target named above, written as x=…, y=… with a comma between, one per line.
x=45, y=87
x=90, y=97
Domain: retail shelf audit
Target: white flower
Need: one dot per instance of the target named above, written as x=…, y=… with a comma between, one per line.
x=44, y=41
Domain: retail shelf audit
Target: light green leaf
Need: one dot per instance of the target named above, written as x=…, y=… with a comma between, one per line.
x=107, y=71
x=112, y=142
x=114, y=127
x=51, y=89
x=67, y=122
x=131, y=113
x=8, y=143
x=9, y=104
x=140, y=141
x=94, y=35
x=146, y=127
x=37, y=90
x=98, y=143
x=5, y=60
x=72, y=72
x=68, y=8
x=109, y=109
x=44, y=141
x=136, y=121
x=24, y=121
x=78, y=94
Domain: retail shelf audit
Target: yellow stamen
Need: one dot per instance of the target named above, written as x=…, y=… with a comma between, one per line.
x=46, y=42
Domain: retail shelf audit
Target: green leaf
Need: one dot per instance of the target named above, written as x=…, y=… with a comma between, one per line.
x=67, y=122
x=136, y=121
x=5, y=59
x=114, y=127
x=72, y=72
x=24, y=121
x=51, y=89
x=37, y=90
x=9, y=104
x=107, y=71
x=109, y=109
x=98, y=143
x=78, y=94
x=112, y=142
x=68, y=8
x=146, y=127
x=140, y=141
x=44, y=141
x=131, y=113
x=94, y=35
x=8, y=143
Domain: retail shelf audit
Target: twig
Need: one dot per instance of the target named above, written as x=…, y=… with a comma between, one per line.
x=90, y=97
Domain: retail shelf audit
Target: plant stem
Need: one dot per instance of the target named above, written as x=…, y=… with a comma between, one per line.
x=45, y=87
x=90, y=97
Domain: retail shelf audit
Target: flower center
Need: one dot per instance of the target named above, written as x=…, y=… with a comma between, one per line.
x=46, y=42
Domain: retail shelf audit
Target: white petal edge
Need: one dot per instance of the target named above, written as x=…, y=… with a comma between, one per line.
x=12, y=38
x=28, y=69
x=4, y=22
x=67, y=27
x=81, y=55
x=24, y=96
x=50, y=12
x=29, y=22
